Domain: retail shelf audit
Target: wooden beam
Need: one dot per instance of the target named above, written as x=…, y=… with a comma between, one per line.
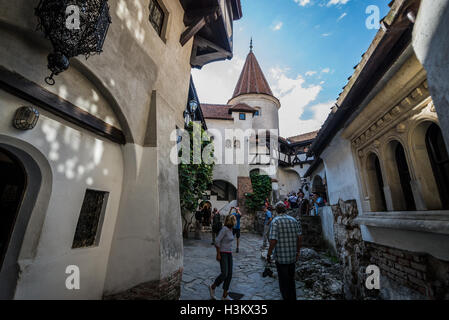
x=27, y=90
x=192, y=30
x=198, y=23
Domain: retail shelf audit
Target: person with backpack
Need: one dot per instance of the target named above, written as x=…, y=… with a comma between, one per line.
x=216, y=224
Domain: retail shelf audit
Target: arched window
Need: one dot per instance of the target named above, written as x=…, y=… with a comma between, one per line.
x=375, y=184
x=405, y=178
x=398, y=178
x=439, y=160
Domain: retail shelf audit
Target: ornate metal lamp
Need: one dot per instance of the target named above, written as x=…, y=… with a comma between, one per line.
x=189, y=113
x=26, y=118
x=193, y=105
x=88, y=39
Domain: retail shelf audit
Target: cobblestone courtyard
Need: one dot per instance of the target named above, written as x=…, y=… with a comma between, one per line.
x=201, y=268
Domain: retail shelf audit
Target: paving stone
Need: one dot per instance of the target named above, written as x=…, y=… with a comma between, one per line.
x=201, y=268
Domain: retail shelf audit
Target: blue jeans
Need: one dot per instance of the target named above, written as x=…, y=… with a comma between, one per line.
x=226, y=271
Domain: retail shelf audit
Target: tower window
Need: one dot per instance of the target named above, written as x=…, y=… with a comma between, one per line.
x=242, y=116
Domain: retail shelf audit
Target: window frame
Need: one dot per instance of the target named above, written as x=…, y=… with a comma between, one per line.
x=163, y=28
x=244, y=116
x=100, y=222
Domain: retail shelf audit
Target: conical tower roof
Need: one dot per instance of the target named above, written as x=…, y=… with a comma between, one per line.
x=252, y=79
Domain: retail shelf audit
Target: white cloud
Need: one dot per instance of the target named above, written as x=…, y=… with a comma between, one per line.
x=342, y=16
x=335, y=2
x=215, y=83
x=326, y=70
x=320, y=112
x=326, y=34
x=278, y=26
x=302, y=3
x=294, y=96
x=310, y=73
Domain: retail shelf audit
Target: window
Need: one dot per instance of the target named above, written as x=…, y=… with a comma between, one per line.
x=439, y=160
x=242, y=116
x=257, y=113
x=157, y=16
x=91, y=219
x=375, y=184
x=405, y=178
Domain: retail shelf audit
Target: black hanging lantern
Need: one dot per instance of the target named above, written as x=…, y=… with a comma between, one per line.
x=87, y=38
x=26, y=118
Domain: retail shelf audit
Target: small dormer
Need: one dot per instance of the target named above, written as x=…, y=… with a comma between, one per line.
x=242, y=111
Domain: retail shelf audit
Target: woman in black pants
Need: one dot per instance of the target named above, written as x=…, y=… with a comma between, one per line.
x=223, y=243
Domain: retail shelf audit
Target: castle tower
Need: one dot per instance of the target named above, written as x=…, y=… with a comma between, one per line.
x=253, y=89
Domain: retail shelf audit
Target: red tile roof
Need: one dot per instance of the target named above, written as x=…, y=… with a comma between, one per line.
x=216, y=111
x=252, y=79
x=303, y=137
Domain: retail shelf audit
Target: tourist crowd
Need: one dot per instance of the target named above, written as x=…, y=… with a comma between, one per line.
x=282, y=236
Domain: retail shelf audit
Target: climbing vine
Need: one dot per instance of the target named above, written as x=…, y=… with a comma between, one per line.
x=195, y=177
x=261, y=190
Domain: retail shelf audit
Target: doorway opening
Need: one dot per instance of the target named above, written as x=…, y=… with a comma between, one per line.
x=12, y=188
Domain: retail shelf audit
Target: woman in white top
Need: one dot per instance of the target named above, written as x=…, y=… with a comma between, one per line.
x=223, y=244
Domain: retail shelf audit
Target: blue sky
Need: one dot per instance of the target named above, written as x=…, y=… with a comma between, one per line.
x=307, y=50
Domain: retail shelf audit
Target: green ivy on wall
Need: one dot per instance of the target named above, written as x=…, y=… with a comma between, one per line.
x=195, y=178
x=261, y=190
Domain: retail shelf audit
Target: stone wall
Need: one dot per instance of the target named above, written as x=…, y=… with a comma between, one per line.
x=351, y=250
x=420, y=272
x=247, y=222
x=244, y=186
x=312, y=236
x=168, y=288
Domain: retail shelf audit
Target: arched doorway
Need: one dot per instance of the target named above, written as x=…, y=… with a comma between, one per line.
x=20, y=182
x=404, y=177
x=13, y=182
x=319, y=187
x=439, y=160
x=223, y=190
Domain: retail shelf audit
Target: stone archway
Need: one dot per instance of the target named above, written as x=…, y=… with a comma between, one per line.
x=19, y=188
x=426, y=141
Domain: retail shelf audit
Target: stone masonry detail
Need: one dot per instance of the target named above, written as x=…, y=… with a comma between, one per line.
x=351, y=250
x=419, y=272
x=168, y=288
